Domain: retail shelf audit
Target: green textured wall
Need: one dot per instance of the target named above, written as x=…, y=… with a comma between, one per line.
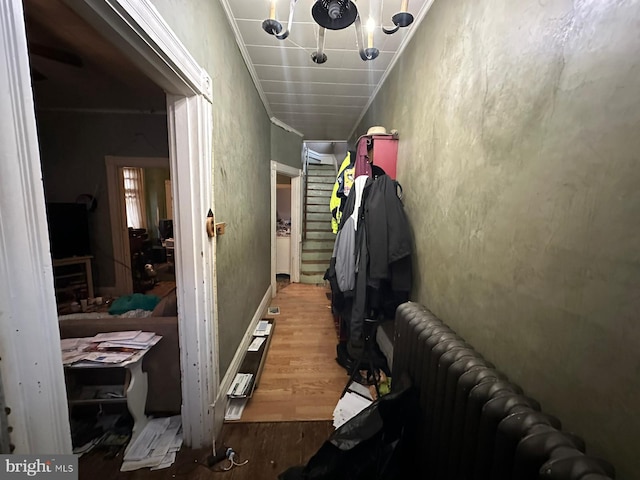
x=286, y=147
x=241, y=169
x=519, y=156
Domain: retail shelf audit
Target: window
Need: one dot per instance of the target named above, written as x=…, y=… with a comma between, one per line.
x=134, y=196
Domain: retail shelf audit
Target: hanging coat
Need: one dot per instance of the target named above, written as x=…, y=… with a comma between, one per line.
x=341, y=188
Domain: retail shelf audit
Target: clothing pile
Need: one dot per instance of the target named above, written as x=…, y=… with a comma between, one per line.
x=370, y=271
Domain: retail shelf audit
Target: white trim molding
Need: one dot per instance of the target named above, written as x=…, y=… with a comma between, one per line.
x=191, y=176
x=30, y=357
x=296, y=220
x=279, y=123
x=139, y=30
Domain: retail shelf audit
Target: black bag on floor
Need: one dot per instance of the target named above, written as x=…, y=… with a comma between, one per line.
x=373, y=445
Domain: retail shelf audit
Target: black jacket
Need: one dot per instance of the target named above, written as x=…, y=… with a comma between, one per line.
x=388, y=231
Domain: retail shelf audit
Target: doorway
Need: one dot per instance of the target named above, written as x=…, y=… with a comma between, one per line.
x=143, y=241
x=39, y=405
x=286, y=233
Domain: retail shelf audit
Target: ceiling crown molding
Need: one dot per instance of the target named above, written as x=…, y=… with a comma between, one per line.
x=283, y=125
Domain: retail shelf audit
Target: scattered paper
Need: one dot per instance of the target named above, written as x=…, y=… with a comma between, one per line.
x=143, y=444
x=133, y=344
x=240, y=386
x=69, y=343
x=166, y=462
x=262, y=329
x=107, y=348
x=71, y=357
x=256, y=344
x=177, y=442
x=107, y=357
x=360, y=389
x=156, y=446
x=348, y=407
x=110, y=336
x=87, y=447
x=235, y=407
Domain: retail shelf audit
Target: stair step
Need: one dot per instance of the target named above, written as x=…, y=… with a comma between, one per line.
x=324, y=249
x=321, y=180
x=322, y=229
x=320, y=168
x=322, y=255
x=318, y=226
x=319, y=193
x=319, y=217
x=314, y=264
x=315, y=269
x=318, y=244
x=320, y=235
x=317, y=207
x=321, y=246
x=324, y=201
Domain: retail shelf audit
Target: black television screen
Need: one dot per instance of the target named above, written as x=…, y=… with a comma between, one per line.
x=68, y=229
x=165, y=226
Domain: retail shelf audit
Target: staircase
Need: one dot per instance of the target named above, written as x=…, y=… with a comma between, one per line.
x=317, y=245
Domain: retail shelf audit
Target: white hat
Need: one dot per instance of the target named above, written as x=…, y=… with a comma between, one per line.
x=377, y=130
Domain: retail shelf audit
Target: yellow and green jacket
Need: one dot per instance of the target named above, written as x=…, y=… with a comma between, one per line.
x=344, y=182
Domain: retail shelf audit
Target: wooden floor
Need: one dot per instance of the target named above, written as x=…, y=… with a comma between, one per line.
x=301, y=379
x=290, y=414
x=270, y=449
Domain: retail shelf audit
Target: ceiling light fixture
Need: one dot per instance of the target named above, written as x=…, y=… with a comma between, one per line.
x=336, y=15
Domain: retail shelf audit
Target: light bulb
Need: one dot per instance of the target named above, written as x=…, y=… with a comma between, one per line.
x=272, y=9
x=371, y=26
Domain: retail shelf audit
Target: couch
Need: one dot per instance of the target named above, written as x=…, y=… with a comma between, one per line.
x=162, y=362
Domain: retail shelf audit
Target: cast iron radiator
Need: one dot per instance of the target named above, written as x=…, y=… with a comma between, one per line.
x=475, y=423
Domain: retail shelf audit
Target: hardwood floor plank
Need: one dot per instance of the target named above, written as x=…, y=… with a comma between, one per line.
x=301, y=380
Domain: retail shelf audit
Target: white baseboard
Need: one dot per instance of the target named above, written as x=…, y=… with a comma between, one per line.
x=220, y=404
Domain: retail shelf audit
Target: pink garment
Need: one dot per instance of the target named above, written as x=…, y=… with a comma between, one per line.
x=363, y=167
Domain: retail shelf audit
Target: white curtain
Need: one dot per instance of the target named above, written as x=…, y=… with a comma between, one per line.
x=134, y=197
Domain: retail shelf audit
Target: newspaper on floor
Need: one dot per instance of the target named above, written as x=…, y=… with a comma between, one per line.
x=156, y=446
x=235, y=407
x=348, y=407
x=262, y=329
x=240, y=386
x=256, y=344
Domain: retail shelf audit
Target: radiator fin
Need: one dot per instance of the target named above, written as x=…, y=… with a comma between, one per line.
x=474, y=422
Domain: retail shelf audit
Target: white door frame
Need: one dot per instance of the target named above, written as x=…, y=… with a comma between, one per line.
x=296, y=220
x=30, y=357
x=33, y=377
x=117, y=208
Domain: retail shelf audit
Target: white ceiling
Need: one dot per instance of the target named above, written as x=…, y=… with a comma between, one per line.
x=323, y=102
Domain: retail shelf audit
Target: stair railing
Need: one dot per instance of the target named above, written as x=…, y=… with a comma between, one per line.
x=305, y=177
